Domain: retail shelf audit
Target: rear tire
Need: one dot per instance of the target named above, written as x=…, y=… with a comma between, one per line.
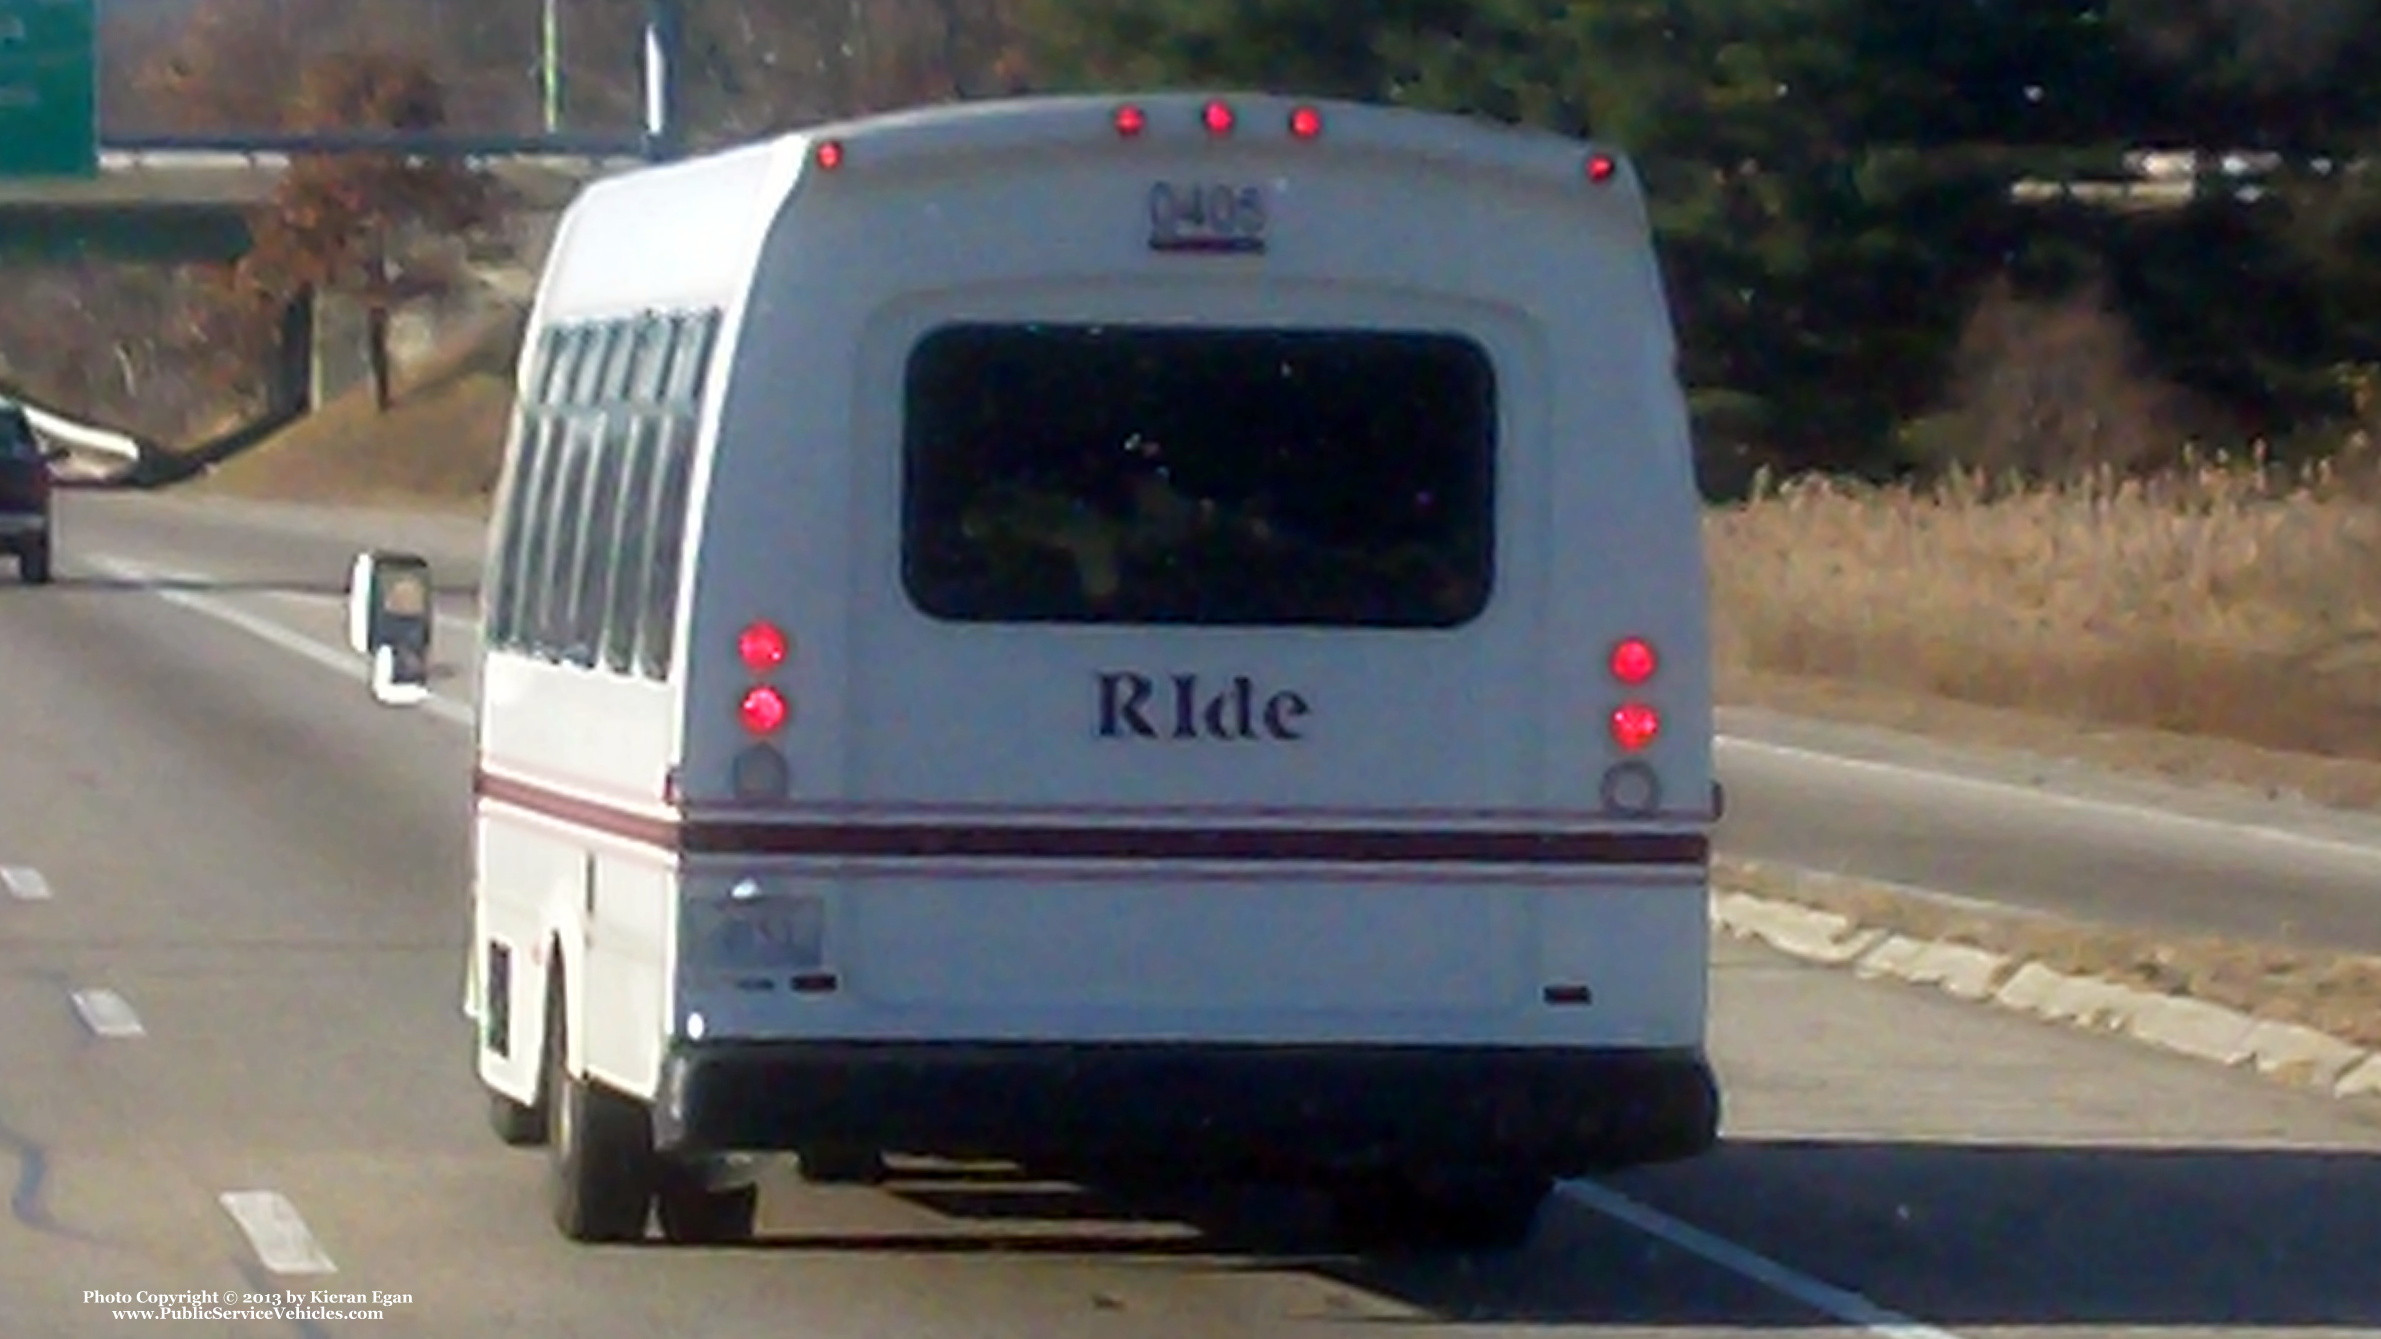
x=33, y=563
x=599, y=1148
x=694, y=1213
x=516, y=1125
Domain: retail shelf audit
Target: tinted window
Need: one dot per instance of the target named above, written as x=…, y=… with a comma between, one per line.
x=657, y=631
x=1173, y=475
x=634, y=560
x=504, y=609
x=599, y=550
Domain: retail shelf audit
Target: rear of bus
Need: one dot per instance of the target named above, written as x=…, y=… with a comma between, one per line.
x=1198, y=653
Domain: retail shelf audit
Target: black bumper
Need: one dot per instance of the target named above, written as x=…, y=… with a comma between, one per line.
x=1567, y=1112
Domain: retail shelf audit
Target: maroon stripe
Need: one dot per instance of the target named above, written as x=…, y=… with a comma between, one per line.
x=698, y=836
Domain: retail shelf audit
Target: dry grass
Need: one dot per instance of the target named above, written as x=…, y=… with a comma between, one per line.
x=2232, y=600
x=439, y=446
x=2334, y=993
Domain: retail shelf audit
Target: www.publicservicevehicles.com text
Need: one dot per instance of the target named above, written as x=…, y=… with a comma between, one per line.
x=295, y=1304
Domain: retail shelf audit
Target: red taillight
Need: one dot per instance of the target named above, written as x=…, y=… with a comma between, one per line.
x=1218, y=118
x=1633, y=661
x=1131, y=121
x=1634, y=725
x=1306, y=123
x=1601, y=167
x=829, y=154
x=763, y=710
x=761, y=647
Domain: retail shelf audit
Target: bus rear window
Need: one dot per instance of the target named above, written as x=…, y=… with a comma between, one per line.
x=1106, y=474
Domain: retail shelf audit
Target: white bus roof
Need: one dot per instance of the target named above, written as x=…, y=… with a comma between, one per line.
x=686, y=234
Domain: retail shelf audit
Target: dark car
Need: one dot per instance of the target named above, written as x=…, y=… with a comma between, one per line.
x=24, y=495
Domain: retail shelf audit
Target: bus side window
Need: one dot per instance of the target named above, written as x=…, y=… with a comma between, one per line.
x=536, y=413
x=656, y=633
x=630, y=558
x=608, y=438
x=548, y=613
x=530, y=565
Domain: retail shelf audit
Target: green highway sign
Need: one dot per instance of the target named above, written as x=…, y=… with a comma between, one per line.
x=49, y=88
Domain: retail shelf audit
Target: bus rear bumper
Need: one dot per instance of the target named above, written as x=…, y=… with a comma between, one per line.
x=1565, y=1112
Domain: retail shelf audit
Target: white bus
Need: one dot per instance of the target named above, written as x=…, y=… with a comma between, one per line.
x=1127, y=636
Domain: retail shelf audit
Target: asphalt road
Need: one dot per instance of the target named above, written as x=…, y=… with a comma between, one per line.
x=266, y=873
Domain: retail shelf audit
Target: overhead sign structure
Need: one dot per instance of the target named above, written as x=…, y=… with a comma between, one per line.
x=49, y=88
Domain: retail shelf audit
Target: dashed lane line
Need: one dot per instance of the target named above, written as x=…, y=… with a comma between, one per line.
x=276, y=1231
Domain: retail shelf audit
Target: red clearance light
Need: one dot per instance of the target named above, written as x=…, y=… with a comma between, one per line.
x=1601, y=167
x=762, y=647
x=1306, y=123
x=1634, y=725
x=1131, y=121
x=763, y=710
x=1218, y=118
x=1633, y=661
x=829, y=154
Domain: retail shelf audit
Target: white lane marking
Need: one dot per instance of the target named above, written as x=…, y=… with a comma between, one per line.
x=108, y=1014
x=24, y=883
x=2117, y=809
x=276, y=1232
x=1847, y=1307
x=336, y=659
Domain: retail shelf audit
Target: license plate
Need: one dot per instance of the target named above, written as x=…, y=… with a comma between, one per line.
x=1218, y=218
x=785, y=935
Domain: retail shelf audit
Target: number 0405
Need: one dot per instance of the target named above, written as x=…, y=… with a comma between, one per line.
x=1208, y=217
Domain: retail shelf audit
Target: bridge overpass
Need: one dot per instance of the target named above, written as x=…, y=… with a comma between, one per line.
x=191, y=204
x=166, y=205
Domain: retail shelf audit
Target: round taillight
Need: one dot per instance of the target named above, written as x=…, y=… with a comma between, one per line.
x=1131, y=121
x=829, y=154
x=1218, y=118
x=1601, y=167
x=762, y=647
x=1634, y=725
x=1633, y=661
x=763, y=710
x=1306, y=123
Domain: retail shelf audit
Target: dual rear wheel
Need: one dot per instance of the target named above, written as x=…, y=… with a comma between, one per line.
x=604, y=1179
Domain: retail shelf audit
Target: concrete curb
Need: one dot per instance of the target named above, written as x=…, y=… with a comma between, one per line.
x=2288, y=1052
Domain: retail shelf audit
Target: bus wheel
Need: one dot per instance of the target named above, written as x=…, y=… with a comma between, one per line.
x=599, y=1152
x=517, y=1125
x=695, y=1213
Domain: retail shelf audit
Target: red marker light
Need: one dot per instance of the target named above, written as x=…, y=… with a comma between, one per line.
x=764, y=710
x=1218, y=118
x=1633, y=661
x=1131, y=121
x=1306, y=123
x=1634, y=725
x=761, y=647
x=1601, y=167
x=830, y=154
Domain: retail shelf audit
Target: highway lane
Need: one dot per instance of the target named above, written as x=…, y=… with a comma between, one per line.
x=285, y=918
x=2027, y=831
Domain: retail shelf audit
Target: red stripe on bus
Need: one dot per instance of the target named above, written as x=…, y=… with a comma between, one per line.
x=694, y=835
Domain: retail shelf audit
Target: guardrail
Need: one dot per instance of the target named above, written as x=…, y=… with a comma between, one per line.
x=119, y=453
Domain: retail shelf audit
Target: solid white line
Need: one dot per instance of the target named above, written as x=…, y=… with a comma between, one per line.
x=25, y=883
x=336, y=659
x=1849, y=1308
x=276, y=1232
x=108, y=1014
x=2117, y=809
